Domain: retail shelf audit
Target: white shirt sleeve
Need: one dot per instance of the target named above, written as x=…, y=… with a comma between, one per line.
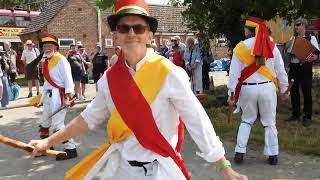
x=194, y=116
x=23, y=56
x=280, y=71
x=314, y=42
x=236, y=67
x=67, y=76
x=97, y=111
x=198, y=55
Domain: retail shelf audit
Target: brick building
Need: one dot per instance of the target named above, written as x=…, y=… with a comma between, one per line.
x=80, y=20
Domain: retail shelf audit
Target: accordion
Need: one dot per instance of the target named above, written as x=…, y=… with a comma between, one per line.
x=302, y=49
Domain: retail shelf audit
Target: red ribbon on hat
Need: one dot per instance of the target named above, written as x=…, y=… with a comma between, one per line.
x=263, y=45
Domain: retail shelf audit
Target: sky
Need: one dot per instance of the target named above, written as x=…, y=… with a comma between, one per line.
x=157, y=1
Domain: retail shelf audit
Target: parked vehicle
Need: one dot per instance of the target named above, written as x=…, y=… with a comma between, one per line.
x=220, y=64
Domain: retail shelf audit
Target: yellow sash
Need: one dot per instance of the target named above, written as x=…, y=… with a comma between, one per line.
x=53, y=61
x=51, y=64
x=149, y=78
x=244, y=55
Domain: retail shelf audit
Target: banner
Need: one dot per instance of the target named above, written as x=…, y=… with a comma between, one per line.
x=9, y=32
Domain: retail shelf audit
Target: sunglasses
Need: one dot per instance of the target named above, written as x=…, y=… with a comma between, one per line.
x=298, y=24
x=137, y=28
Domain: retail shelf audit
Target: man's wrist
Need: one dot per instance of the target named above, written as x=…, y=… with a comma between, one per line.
x=224, y=166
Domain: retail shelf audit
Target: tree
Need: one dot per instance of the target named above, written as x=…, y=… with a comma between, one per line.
x=27, y=4
x=174, y=3
x=226, y=17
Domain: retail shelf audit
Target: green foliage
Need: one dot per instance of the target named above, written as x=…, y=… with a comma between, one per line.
x=226, y=17
x=105, y=4
x=174, y=3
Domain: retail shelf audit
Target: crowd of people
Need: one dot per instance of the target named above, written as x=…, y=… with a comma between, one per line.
x=8, y=72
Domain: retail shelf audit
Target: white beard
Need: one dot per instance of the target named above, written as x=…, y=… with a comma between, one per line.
x=48, y=54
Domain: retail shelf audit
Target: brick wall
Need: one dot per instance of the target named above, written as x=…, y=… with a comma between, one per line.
x=77, y=20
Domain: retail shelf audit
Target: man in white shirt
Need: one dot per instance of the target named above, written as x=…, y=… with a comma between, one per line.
x=56, y=94
x=29, y=54
x=129, y=156
x=302, y=76
x=255, y=80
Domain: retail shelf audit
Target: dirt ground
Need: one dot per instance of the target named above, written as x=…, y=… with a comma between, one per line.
x=22, y=124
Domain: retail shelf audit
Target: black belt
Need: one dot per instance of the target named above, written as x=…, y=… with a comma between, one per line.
x=256, y=83
x=139, y=164
x=49, y=91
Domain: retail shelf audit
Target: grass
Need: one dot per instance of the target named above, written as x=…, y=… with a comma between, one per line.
x=293, y=137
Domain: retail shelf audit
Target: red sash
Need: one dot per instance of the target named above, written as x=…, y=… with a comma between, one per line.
x=245, y=74
x=46, y=75
x=137, y=114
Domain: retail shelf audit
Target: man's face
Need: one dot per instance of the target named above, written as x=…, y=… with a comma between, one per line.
x=49, y=48
x=247, y=32
x=6, y=46
x=138, y=35
x=29, y=46
x=299, y=27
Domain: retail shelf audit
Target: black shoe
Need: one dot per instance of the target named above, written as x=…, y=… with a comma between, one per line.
x=273, y=160
x=71, y=153
x=293, y=118
x=238, y=158
x=30, y=95
x=306, y=122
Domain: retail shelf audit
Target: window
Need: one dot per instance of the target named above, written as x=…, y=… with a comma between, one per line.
x=109, y=43
x=7, y=20
x=65, y=42
x=22, y=21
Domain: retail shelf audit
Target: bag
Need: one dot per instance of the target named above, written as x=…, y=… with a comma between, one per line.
x=13, y=91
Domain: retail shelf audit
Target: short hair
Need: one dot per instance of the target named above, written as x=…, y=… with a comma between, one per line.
x=302, y=21
x=177, y=37
x=190, y=40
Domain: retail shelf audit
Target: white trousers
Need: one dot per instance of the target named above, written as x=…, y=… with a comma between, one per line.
x=196, y=79
x=55, y=123
x=260, y=99
x=114, y=167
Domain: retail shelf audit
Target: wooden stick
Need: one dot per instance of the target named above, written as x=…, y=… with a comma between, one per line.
x=230, y=116
x=289, y=87
x=29, y=148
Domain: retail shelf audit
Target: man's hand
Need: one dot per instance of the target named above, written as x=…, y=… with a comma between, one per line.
x=231, y=101
x=38, y=105
x=230, y=174
x=40, y=146
x=285, y=96
x=312, y=58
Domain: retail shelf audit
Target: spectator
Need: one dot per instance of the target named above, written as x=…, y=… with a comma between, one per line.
x=114, y=58
x=85, y=62
x=205, y=54
x=11, y=57
x=302, y=76
x=164, y=47
x=177, y=56
x=1, y=75
x=99, y=62
x=76, y=69
x=29, y=54
x=193, y=64
x=181, y=44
